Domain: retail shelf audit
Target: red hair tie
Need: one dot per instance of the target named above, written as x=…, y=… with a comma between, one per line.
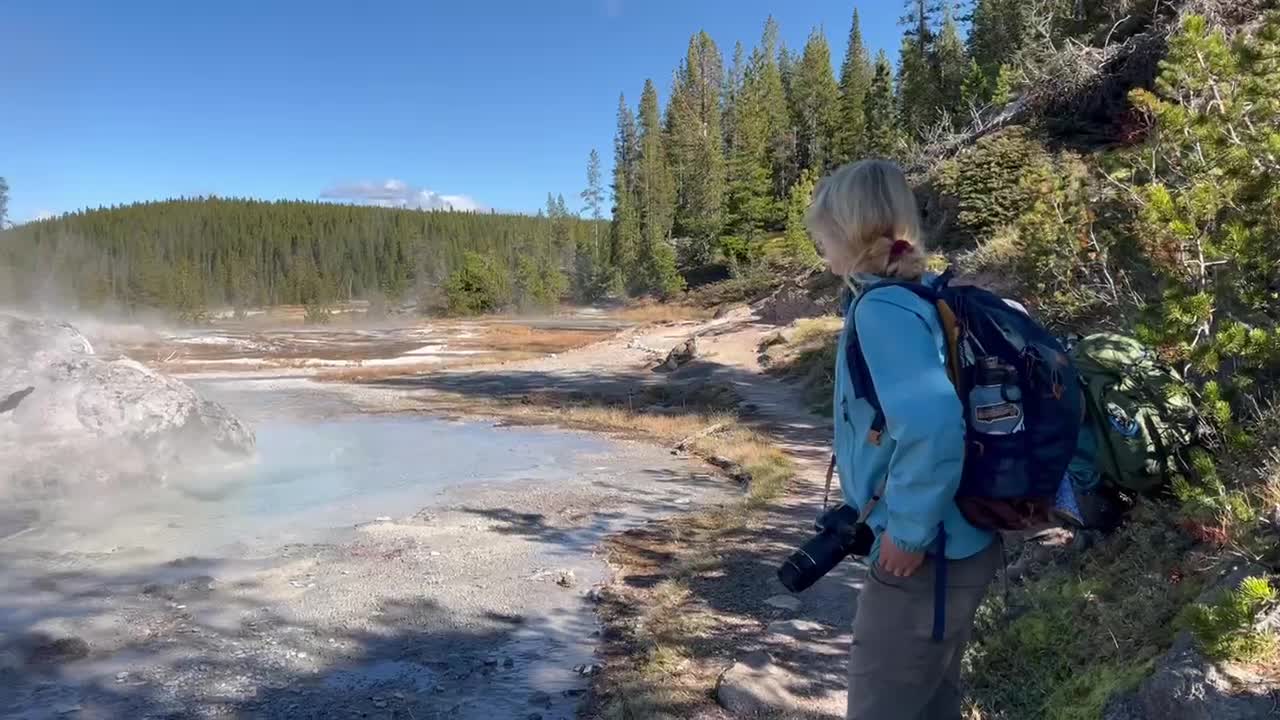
x=900, y=248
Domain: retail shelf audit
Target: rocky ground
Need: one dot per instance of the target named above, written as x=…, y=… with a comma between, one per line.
x=474, y=602
x=479, y=605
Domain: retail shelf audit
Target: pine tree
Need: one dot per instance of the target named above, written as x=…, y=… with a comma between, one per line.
x=655, y=190
x=799, y=247
x=815, y=99
x=855, y=81
x=734, y=84
x=781, y=132
x=1006, y=86
x=917, y=92
x=695, y=149
x=4, y=202
x=624, y=232
x=882, y=125
x=922, y=99
x=589, y=265
x=951, y=68
x=749, y=203
x=919, y=22
x=996, y=36
x=975, y=91
x=593, y=194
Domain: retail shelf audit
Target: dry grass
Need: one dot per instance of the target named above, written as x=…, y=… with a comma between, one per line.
x=815, y=330
x=653, y=312
x=526, y=339
x=807, y=354
x=388, y=372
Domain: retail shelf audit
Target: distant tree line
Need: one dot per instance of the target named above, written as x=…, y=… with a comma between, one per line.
x=185, y=255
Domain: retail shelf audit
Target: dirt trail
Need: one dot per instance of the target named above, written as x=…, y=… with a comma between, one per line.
x=795, y=669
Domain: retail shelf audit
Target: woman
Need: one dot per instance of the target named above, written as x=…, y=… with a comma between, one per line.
x=905, y=662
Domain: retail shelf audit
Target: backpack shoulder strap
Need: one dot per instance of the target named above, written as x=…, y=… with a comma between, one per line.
x=862, y=382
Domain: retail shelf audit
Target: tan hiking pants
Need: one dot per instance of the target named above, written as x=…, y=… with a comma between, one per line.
x=896, y=670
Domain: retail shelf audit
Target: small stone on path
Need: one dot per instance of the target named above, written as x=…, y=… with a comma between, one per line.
x=757, y=687
x=795, y=630
x=784, y=602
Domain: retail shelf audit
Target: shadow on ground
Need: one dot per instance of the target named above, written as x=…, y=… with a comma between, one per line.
x=743, y=558
x=177, y=641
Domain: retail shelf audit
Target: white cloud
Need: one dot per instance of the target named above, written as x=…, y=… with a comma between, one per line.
x=398, y=193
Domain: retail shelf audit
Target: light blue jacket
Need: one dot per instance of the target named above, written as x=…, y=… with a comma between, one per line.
x=922, y=451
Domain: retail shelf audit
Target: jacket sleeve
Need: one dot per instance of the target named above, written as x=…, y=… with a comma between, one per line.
x=923, y=415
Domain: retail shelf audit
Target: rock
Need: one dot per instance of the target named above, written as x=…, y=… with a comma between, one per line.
x=587, y=669
x=540, y=699
x=795, y=630
x=680, y=355
x=91, y=419
x=42, y=649
x=12, y=401
x=790, y=603
x=380, y=704
x=566, y=579
x=796, y=300
x=1272, y=518
x=776, y=338
x=1186, y=685
x=757, y=687
x=735, y=471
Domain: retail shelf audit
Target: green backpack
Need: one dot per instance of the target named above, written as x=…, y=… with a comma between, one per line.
x=1143, y=411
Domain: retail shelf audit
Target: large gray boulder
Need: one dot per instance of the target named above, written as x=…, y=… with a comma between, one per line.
x=71, y=416
x=1187, y=685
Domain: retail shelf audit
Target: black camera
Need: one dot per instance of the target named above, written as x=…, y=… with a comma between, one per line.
x=840, y=534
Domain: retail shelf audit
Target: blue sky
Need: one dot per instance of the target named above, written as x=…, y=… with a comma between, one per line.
x=487, y=102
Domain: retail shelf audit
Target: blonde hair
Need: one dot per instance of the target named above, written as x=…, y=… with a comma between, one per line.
x=859, y=213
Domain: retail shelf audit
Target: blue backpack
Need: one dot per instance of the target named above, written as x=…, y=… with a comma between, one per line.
x=1022, y=401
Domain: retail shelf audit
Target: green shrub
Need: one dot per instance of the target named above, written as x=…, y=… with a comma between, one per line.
x=986, y=182
x=1206, y=187
x=477, y=287
x=1226, y=630
x=539, y=284
x=1047, y=253
x=317, y=312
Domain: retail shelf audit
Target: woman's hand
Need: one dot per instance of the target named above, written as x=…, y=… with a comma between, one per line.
x=896, y=561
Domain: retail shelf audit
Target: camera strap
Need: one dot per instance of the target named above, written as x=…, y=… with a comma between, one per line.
x=826, y=494
x=871, y=504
